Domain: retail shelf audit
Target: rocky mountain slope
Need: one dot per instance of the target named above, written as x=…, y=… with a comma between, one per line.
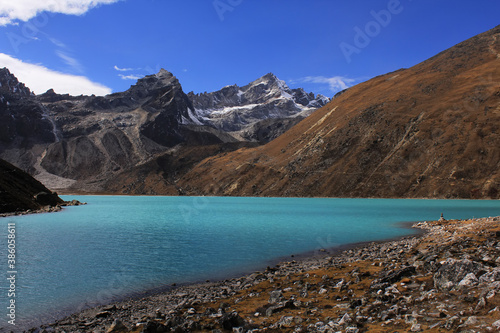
x=238, y=109
x=83, y=142
x=432, y=130
x=21, y=192
x=24, y=122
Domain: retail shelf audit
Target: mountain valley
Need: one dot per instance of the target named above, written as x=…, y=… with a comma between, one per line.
x=95, y=143
x=430, y=131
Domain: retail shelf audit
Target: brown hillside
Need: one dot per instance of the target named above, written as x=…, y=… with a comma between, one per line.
x=429, y=131
x=159, y=176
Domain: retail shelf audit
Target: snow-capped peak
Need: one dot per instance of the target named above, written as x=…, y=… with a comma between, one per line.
x=234, y=107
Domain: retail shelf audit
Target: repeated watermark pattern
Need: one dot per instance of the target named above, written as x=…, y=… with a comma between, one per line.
x=196, y=210
x=364, y=36
x=117, y=287
x=223, y=6
x=29, y=31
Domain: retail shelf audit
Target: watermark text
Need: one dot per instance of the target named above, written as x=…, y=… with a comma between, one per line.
x=11, y=273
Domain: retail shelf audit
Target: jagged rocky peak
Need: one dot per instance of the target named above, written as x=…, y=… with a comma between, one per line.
x=271, y=86
x=159, y=80
x=146, y=90
x=233, y=108
x=271, y=79
x=21, y=115
x=265, y=89
x=51, y=96
x=9, y=84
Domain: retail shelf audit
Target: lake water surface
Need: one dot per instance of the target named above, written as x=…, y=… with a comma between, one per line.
x=118, y=245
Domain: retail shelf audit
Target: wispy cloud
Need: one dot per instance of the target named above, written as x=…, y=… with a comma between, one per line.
x=130, y=77
x=335, y=83
x=12, y=11
x=123, y=69
x=73, y=63
x=40, y=79
x=56, y=42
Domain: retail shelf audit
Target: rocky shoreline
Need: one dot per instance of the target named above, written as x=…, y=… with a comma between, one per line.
x=446, y=280
x=45, y=209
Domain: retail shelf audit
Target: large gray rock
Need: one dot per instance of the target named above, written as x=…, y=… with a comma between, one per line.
x=453, y=271
x=470, y=280
x=275, y=296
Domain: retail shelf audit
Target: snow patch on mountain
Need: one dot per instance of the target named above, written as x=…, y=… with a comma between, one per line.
x=233, y=107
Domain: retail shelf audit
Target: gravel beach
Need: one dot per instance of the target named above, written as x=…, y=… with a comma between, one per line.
x=445, y=280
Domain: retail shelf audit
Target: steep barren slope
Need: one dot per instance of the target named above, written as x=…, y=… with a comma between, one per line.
x=429, y=131
x=19, y=191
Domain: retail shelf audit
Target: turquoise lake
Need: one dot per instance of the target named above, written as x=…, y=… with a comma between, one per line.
x=118, y=246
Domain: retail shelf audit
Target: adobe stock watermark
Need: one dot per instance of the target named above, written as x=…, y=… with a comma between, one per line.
x=325, y=244
x=117, y=286
x=11, y=273
x=196, y=210
x=29, y=31
x=223, y=6
x=372, y=29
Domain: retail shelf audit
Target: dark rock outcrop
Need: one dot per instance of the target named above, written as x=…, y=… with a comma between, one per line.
x=20, y=192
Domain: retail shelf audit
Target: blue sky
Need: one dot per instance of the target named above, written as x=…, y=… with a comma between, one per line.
x=102, y=46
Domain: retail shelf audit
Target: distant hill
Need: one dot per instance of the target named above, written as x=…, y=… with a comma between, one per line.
x=432, y=130
x=20, y=192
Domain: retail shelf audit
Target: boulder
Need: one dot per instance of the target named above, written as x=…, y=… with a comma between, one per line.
x=453, y=271
x=346, y=319
x=117, y=326
x=286, y=322
x=470, y=280
x=276, y=296
x=231, y=320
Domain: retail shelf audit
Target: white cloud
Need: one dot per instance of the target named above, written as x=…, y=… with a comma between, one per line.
x=130, y=77
x=123, y=69
x=335, y=83
x=70, y=61
x=12, y=11
x=40, y=79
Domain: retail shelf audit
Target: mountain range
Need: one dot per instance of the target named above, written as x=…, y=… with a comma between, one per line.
x=432, y=130
x=83, y=142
